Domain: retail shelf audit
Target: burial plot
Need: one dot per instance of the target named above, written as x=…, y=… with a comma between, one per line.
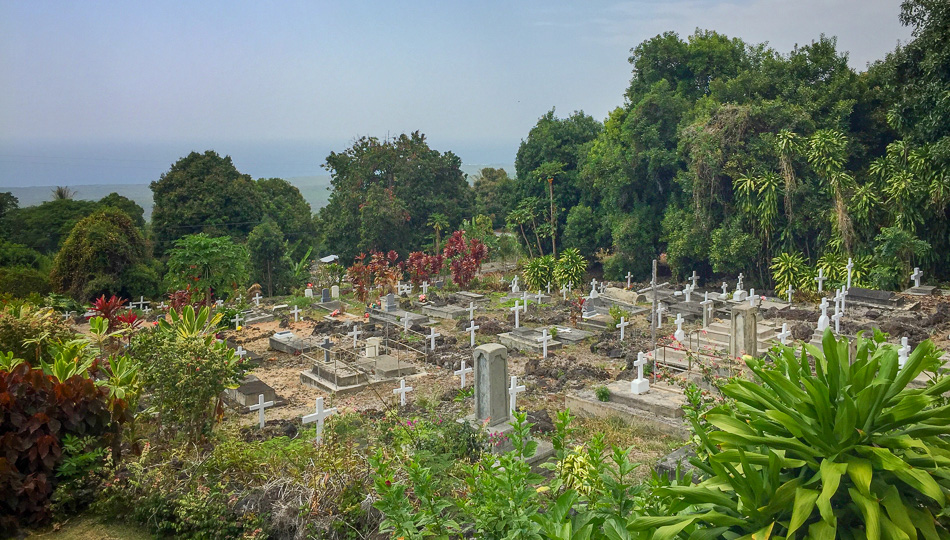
x=382, y=364
x=472, y=297
x=331, y=372
x=572, y=335
x=288, y=342
x=389, y=312
x=256, y=316
x=247, y=355
x=873, y=298
x=248, y=393
x=526, y=339
x=447, y=311
x=661, y=406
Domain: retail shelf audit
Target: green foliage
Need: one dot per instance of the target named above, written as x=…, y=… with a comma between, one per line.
x=584, y=231
x=616, y=312
x=19, y=255
x=732, y=250
x=790, y=270
x=269, y=264
x=493, y=190
x=44, y=226
x=571, y=267
x=98, y=256
x=538, y=272
x=27, y=332
x=21, y=282
x=284, y=205
x=892, y=257
x=207, y=266
x=602, y=393
x=135, y=212
x=841, y=449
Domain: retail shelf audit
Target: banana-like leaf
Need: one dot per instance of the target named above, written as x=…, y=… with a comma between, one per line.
x=802, y=508
x=830, y=480
x=871, y=511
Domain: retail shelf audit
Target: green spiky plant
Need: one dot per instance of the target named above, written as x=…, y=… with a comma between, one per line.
x=538, y=272
x=839, y=450
x=571, y=267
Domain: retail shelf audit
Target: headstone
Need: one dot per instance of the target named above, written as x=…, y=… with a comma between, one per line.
x=259, y=407
x=325, y=295
x=640, y=385
x=549, y=291
x=514, y=285
x=623, y=324
x=389, y=303
x=784, y=334
x=752, y=297
x=471, y=331
x=744, y=331
x=240, y=352
x=544, y=339
x=517, y=310
x=694, y=278
x=688, y=292
x=629, y=277
x=335, y=292
x=296, y=313
x=491, y=375
x=725, y=291
x=564, y=292
x=821, y=279
x=471, y=310
x=319, y=416
x=463, y=372
x=218, y=303
x=707, y=308
x=790, y=292
x=402, y=391
x=146, y=310
x=373, y=347
x=823, y=321
x=326, y=345
x=539, y=297
x=355, y=334
x=679, y=335
x=903, y=353
x=237, y=320
x=513, y=392
x=432, y=335
x=308, y=293
x=739, y=282
x=660, y=310
x=916, y=276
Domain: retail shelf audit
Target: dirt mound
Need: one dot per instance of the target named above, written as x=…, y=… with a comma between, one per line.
x=492, y=327
x=272, y=429
x=541, y=420
x=564, y=369
x=802, y=331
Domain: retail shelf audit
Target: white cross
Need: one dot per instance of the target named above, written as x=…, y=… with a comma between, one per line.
x=237, y=320
x=141, y=303
x=660, y=310
x=623, y=324
x=162, y=306
x=261, y=405
x=462, y=372
x=471, y=310
x=146, y=310
x=564, y=291
x=593, y=285
x=513, y=392
x=355, y=333
x=739, y=283
x=823, y=319
x=539, y=297
x=916, y=276
x=544, y=339
x=837, y=319
x=296, y=313
x=402, y=390
x=514, y=284
x=240, y=351
x=850, y=267
x=218, y=303
x=405, y=323
x=725, y=288
x=679, y=335
x=784, y=334
x=842, y=293
x=821, y=279
x=902, y=353
x=694, y=278
x=517, y=310
x=790, y=291
x=67, y=315
x=524, y=299
x=570, y=286
x=257, y=299
x=319, y=416
x=425, y=287
x=549, y=289
x=752, y=297
x=688, y=292
x=640, y=385
x=603, y=286
x=432, y=335
x=471, y=330
x=705, y=303
x=629, y=277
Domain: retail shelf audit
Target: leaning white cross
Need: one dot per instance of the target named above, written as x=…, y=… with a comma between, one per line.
x=471, y=330
x=432, y=335
x=623, y=324
x=916, y=276
x=257, y=299
x=513, y=392
x=544, y=339
x=679, y=335
x=319, y=416
x=296, y=313
x=237, y=320
x=821, y=279
x=784, y=334
x=162, y=306
x=355, y=333
x=401, y=391
x=517, y=310
x=462, y=372
x=261, y=405
x=471, y=310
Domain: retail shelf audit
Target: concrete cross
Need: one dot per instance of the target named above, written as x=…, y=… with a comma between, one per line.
x=725, y=288
x=257, y=299
x=514, y=284
x=425, y=287
x=67, y=315
x=162, y=306
x=513, y=392
x=916, y=276
x=790, y=292
x=688, y=292
x=432, y=335
x=679, y=335
x=849, y=267
x=706, y=303
x=640, y=385
x=823, y=319
x=319, y=416
x=660, y=310
x=402, y=391
x=296, y=313
x=261, y=405
x=517, y=310
x=903, y=353
x=694, y=278
x=549, y=289
x=784, y=334
x=471, y=331
x=544, y=339
x=471, y=310
x=326, y=349
x=564, y=291
x=405, y=324
x=570, y=286
x=218, y=303
x=240, y=352
x=843, y=293
x=355, y=333
x=821, y=279
x=237, y=320
x=141, y=303
x=593, y=285
x=524, y=300
x=462, y=372
x=539, y=297
x=629, y=277
x=603, y=286
x=623, y=324
x=739, y=283
x=752, y=297
x=837, y=319
x=146, y=310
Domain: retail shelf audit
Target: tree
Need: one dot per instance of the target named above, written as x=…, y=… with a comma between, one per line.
x=204, y=193
x=207, y=266
x=493, y=194
x=44, y=226
x=99, y=256
x=547, y=172
x=284, y=204
x=269, y=263
x=63, y=193
x=7, y=203
x=438, y=222
x=127, y=205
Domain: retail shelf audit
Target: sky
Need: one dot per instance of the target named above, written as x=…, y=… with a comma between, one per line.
x=110, y=91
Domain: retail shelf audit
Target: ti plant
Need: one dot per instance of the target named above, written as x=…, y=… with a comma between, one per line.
x=836, y=450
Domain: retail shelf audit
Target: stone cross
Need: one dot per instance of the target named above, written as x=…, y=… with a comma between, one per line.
x=514, y=285
x=296, y=313
x=849, y=267
x=67, y=315
x=237, y=320
x=326, y=349
x=640, y=385
x=623, y=324
x=679, y=335
x=821, y=279
x=903, y=353
x=432, y=335
x=629, y=277
x=425, y=287
x=218, y=303
x=837, y=318
x=706, y=303
x=471, y=310
x=790, y=291
x=240, y=352
x=355, y=333
x=319, y=416
x=261, y=405
x=549, y=289
x=603, y=286
x=513, y=392
x=544, y=339
x=540, y=296
x=257, y=299
x=146, y=310
x=593, y=286
x=823, y=321
x=141, y=303
x=162, y=306
x=462, y=372
x=694, y=278
x=843, y=293
x=524, y=300
x=471, y=330
x=784, y=334
x=725, y=289
x=564, y=291
x=401, y=391
x=752, y=297
x=517, y=310
x=405, y=324
x=739, y=283
x=660, y=310
x=688, y=292
x=570, y=286
x=916, y=276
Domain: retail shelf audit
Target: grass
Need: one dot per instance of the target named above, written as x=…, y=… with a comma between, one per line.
x=649, y=443
x=91, y=527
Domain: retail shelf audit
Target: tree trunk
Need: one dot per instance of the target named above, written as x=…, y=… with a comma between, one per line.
x=270, y=281
x=551, y=194
x=526, y=242
x=534, y=225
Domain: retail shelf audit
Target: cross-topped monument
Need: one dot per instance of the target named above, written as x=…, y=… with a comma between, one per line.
x=660, y=310
x=679, y=335
x=916, y=276
x=318, y=416
x=640, y=385
x=259, y=407
x=402, y=391
x=355, y=334
x=707, y=307
x=513, y=392
x=823, y=321
x=517, y=310
x=471, y=310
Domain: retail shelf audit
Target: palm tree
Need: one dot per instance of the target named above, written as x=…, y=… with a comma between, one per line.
x=826, y=153
x=62, y=193
x=548, y=171
x=438, y=222
x=519, y=216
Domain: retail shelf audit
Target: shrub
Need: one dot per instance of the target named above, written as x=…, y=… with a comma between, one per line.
x=538, y=272
x=571, y=267
x=28, y=331
x=20, y=282
x=464, y=256
x=421, y=267
x=602, y=393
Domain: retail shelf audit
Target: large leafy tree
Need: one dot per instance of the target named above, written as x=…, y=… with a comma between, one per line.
x=284, y=204
x=493, y=194
x=269, y=264
x=127, y=205
x=44, y=226
x=385, y=191
x=211, y=267
x=204, y=193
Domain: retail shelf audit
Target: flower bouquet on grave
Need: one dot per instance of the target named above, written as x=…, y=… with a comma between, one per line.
x=422, y=298
x=335, y=313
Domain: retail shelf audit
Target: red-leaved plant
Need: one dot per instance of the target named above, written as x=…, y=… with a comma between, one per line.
x=422, y=267
x=109, y=309
x=465, y=257
x=361, y=277
x=129, y=320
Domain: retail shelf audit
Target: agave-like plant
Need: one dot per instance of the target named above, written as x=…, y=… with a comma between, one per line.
x=571, y=267
x=837, y=449
x=188, y=323
x=539, y=271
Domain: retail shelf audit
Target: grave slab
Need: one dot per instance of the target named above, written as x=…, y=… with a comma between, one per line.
x=472, y=297
x=525, y=339
x=254, y=316
x=385, y=366
x=331, y=306
x=248, y=393
x=872, y=298
x=584, y=403
x=572, y=335
x=446, y=312
x=288, y=342
x=396, y=317
x=662, y=400
x=923, y=290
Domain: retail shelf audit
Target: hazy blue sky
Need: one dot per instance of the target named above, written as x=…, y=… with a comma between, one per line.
x=116, y=91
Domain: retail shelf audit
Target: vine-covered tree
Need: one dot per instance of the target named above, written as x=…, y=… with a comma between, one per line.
x=210, y=267
x=269, y=264
x=284, y=204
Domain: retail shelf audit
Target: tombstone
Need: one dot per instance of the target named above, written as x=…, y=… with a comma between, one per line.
x=593, y=289
x=623, y=324
x=640, y=385
x=903, y=353
x=326, y=346
x=335, y=292
x=916, y=276
x=784, y=334
x=425, y=288
x=308, y=293
x=463, y=372
x=491, y=376
x=402, y=391
x=319, y=416
x=739, y=282
x=660, y=310
x=389, y=303
x=324, y=295
x=517, y=310
x=744, y=331
x=740, y=295
x=821, y=279
x=514, y=285
x=753, y=298
x=471, y=330
x=725, y=291
x=679, y=335
x=544, y=339
x=296, y=313
x=287, y=342
x=823, y=321
x=355, y=334
x=248, y=392
x=432, y=335
x=688, y=292
x=259, y=407
x=373, y=347
x=708, y=305
x=564, y=292
x=513, y=392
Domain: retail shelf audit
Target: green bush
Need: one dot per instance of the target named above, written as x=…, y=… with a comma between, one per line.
x=602, y=393
x=538, y=272
x=571, y=267
x=21, y=282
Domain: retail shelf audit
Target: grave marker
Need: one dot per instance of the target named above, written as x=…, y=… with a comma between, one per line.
x=837, y=318
x=849, y=267
x=308, y=293
x=471, y=310
x=324, y=295
x=660, y=310
x=725, y=291
x=257, y=299
x=326, y=349
x=540, y=296
x=513, y=392
x=355, y=333
x=790, y=291
x=640, y=385
x=549, y=290
x=544, y=339
x=237, y=320
x=564, y=292
x=335, y=292
x=821, y=279
x=296, y=313
x=514, y=285
x=471, y=330
x=823, y=321
x=629, y=277
x=739, y=283
x=491, y=376
x=261, y=405
x=679, y=335
x=784, y=334
x=319, y=416
x=623, y=324
x=240, y=352
x=694, y=278
x=706, y=303
x=903, y=353
x=517, y=310
x=916, y=276
x=402, y=391
x=462, y=372
x=425, y=288
x=432, y=335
